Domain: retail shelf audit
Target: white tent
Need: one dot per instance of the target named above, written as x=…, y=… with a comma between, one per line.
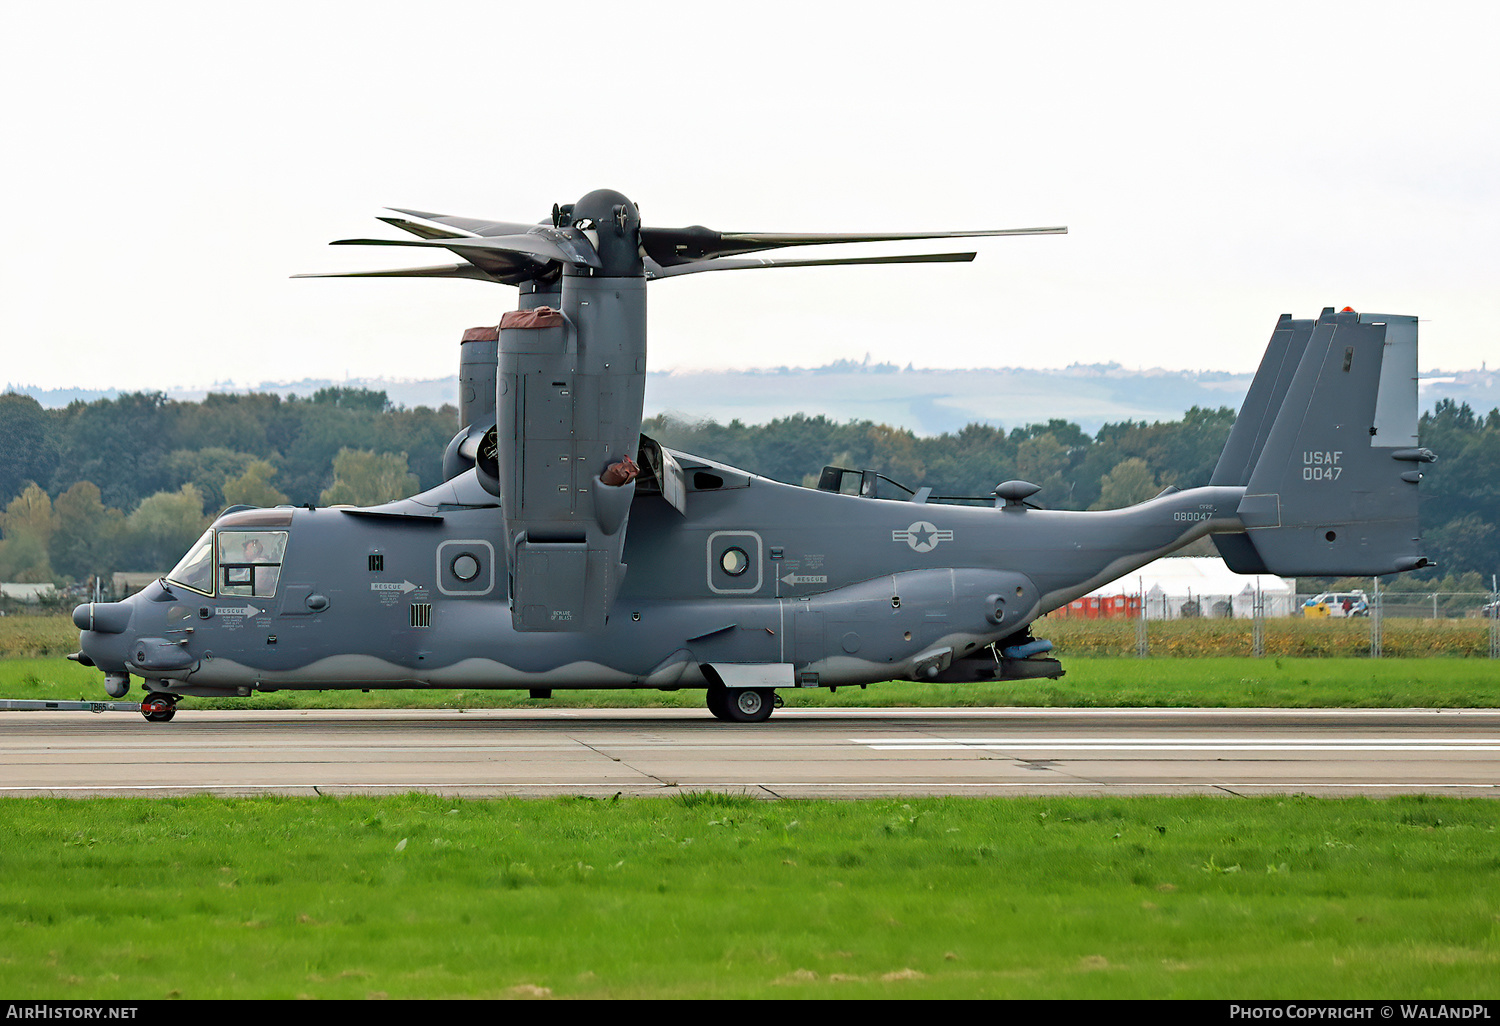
x=26, y=592
x=1177, y=586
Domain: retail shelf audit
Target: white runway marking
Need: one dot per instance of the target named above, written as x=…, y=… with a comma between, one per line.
x=1067, y=744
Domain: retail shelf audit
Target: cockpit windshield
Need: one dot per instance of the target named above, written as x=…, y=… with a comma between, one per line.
x=250, y=562
x=195, y=571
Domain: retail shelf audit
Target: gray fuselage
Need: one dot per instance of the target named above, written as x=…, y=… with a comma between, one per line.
x=828, y=588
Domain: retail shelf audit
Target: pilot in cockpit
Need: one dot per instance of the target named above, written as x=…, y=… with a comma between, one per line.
x=265, y=576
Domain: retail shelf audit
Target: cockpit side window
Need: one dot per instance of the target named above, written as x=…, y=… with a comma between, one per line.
x=195, y=571
x=250, y=562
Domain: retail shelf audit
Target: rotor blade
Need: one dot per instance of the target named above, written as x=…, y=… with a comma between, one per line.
x=668, y=246
x=425, y=231
x=819, y=239
x=438, y=271
x=654, y=270
x=553, y=245
x=470, y=225
x=504, y=266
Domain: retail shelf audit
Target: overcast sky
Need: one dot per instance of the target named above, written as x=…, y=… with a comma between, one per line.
x=167, y=166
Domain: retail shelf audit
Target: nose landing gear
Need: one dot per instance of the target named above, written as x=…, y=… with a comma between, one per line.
x=159, y=708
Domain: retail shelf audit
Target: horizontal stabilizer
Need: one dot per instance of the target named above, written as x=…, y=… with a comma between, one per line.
x=1239, y=553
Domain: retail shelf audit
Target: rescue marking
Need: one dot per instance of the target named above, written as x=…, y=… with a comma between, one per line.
x=236, y=611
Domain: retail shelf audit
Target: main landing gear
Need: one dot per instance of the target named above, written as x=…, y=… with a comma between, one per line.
x=159, y=708
x=742, y=705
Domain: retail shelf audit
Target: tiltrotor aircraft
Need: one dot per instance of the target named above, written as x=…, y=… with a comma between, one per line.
x=566, y=550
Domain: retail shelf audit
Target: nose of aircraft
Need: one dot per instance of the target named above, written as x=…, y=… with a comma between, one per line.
x=104, y=617
x=103, y=641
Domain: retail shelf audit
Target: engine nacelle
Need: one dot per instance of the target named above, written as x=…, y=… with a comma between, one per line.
x=570, y=390
x=477, y=363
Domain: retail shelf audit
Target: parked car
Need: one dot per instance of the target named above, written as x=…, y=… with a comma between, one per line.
x=1337, y=603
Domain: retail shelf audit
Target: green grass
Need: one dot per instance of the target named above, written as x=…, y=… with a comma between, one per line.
x=1091, y=681
x=39, y=635
x=722, y=896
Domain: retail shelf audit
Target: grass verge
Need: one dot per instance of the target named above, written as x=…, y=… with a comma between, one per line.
x=721, y=896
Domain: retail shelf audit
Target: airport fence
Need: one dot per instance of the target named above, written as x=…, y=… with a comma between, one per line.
x=1370, y=622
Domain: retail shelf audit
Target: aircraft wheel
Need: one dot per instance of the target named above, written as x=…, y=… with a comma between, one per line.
x=750, y=705
x=718, y=701
x=159, y=708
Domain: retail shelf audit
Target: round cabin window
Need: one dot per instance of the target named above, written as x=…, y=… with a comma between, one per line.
x=465, y=566
x=734, y=561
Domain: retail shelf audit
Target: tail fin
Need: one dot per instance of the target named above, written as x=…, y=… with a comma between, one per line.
x=1326, y=449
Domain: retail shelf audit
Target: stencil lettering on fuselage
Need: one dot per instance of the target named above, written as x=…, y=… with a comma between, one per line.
x=1322, y=465
x=391, y=592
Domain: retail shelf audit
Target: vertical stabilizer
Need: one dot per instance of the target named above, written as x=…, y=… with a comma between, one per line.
x=1248, y=437
x=1263, y=401
x=1333, y=485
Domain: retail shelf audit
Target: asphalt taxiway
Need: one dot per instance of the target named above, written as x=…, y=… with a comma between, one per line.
x=841, y=753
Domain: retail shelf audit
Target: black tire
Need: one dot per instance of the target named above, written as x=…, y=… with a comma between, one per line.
x=718, y=701
x=158, y=708
x=749, y=705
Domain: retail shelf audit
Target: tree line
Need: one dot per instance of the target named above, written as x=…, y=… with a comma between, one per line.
x=128, y=483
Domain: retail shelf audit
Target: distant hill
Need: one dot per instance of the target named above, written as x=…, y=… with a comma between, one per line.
x=434, y=392
x=928, y=402
x=931, y=402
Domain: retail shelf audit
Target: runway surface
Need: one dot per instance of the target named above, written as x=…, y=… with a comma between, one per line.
x=803, y=753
